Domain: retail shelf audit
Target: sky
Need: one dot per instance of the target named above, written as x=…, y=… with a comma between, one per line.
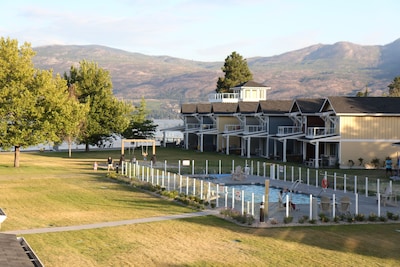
x=201, y=30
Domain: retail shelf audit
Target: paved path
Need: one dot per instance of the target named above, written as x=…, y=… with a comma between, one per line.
x=366, y=205
x=110, y=224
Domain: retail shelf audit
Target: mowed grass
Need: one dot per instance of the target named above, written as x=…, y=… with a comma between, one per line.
x=50, y=189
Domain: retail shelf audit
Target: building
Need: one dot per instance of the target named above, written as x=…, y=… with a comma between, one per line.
x=330, y=132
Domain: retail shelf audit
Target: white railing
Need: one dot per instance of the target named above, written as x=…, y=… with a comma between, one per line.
x=224, y=97
x=192, y=126
x=253, y=128
x=205, y=127
x=288, y=130
x=313, y=132
x=232, y=127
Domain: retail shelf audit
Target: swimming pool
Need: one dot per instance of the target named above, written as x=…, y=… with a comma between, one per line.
x=259, y=191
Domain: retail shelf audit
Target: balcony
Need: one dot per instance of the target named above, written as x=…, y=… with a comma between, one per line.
x=229, y=128
x=249, y=129
x=288, y=130
x=317, y=132
x=224, y=98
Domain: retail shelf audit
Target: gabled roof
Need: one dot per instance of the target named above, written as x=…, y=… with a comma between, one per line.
x=189, y=108
x=249, y=107
x=364, y=105
x=224, y=108
x=204, y=108
x=307, y=105
x=275, y=106
x=250, y=84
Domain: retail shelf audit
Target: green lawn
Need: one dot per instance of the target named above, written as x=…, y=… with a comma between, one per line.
x=50, y=189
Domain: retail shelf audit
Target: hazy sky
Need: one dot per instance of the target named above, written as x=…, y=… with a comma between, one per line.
x=204, y=30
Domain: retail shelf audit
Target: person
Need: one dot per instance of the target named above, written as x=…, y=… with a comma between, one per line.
x=388, y=164
x=153, y=159
x=110, y=164
x=281, y=198
x=133, y=160
x=95, y=165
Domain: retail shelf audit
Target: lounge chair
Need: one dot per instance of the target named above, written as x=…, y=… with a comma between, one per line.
x=388, y=198
x=238, y=174
x=325, y=205
x=344, y=206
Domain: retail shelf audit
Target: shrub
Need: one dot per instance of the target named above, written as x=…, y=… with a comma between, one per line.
x=359, y=217
x=288, y=219
x=372, y=217
x=323, y=217
x=382, y=218
x=336, y=219
x=303, y=219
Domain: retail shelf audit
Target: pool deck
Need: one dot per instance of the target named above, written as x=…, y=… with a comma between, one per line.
x=366, y=205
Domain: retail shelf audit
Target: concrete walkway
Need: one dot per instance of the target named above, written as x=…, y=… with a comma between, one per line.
x=110, y=224
x=366, y=206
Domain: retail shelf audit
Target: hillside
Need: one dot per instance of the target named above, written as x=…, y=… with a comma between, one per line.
x=342, y=68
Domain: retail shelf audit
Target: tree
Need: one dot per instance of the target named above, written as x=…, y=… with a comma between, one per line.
x=107, y=116
x=236, y=72
x=32, y=101
x=76, y=112
x=394, y=87
x=140, y=127
x=363, y=94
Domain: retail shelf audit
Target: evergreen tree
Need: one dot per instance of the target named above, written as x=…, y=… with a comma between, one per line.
x=236, y=72
x=394, y=87
x=107, y=116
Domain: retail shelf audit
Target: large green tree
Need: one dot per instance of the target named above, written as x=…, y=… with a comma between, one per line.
x=107, y=116
x=140, y=127
x=32, y=101
x=236, y=72
x=394, y=87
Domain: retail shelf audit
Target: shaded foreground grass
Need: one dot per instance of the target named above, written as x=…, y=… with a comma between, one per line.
x=51, y=190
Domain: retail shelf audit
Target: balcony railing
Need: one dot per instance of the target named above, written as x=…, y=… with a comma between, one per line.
x=254, y=128
x=232, y=128
x=315, y=132
x=288, y=130
x=192, y=126
x=224, y=97
x=207, y=127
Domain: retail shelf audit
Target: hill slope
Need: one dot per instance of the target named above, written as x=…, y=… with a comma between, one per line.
x=339, y=69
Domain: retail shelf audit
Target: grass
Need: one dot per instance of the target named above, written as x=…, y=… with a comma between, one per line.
x=50, y=189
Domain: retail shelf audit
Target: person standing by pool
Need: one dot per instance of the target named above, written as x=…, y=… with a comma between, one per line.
x=388, y=164
x=110, y=164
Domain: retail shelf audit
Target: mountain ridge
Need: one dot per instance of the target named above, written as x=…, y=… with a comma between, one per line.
x=342, y=68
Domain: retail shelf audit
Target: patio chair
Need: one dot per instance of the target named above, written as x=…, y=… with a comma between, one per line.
x=238, y=174
x=388, y=198
x=325, y=205
x=344, y=206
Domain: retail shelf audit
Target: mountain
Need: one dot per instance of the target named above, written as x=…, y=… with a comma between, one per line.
x=342, y=68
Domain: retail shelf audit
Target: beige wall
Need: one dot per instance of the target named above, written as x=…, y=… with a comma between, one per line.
x=370, y=128
x=367, y=151
x=221, y=122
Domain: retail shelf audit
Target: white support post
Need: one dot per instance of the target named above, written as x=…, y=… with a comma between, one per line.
x=355, y=184
x=344, y=182
x=217, y=197
x=366, y=186
x=333, y=206
x=193, y=167
x=242, y=198
x=356, y=204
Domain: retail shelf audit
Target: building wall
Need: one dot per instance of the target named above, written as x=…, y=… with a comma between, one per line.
x=368, y=137
x=368, y=127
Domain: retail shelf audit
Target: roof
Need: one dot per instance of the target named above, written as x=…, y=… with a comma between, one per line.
x=250, y=84
x=248, y=107
x=225, y=108
x=275, y=106
x=307, y=105
x=189, y=108
x=204, y=108
x=11, y=252
x=365, y=105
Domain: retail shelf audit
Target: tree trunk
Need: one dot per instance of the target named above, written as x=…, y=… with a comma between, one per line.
x=87, y=147
x=16, y=157
x=69, y=148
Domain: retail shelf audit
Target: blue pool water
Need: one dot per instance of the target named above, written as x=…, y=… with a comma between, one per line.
x=259, y=191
